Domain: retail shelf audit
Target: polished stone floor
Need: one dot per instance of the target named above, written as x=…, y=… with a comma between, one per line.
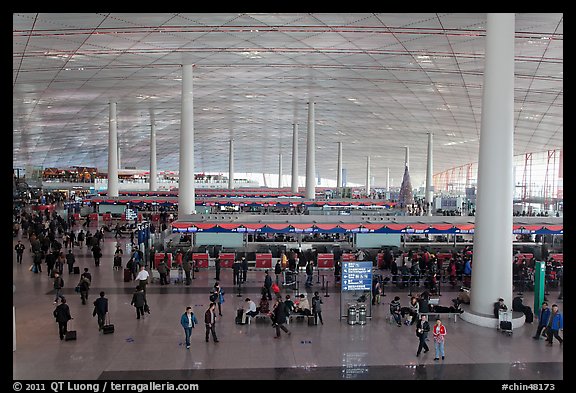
x=152, y=348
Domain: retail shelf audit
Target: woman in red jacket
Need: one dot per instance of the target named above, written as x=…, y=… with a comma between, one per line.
x=439, y=331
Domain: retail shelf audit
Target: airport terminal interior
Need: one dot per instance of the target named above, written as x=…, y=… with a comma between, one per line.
x=380, y=167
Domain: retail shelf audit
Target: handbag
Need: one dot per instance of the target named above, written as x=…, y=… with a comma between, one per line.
x=77, y=289
x=146, y=308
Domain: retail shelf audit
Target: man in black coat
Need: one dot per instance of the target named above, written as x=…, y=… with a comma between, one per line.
x=100, y=309
x=268, y=284
x=244, y=264
x=62, y=315
x=422, y=329
x=236, y=266
x=19, y=251
x=279, y=317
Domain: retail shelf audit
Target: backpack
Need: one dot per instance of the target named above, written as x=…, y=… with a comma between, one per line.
x=213, y=297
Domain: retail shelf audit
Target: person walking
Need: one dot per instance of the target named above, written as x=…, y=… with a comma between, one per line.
x=188, y=320
x=58, y=285
x=317, y=308
x=439, y=331
x=138, y=301
x=70, y=261
x=555, y=323
x=81, y=236
x=217, y=296
x=142, y=278
x=100, y=309
x=84, y=285
x=62, y=315
x=97, y=253
x=279, y=317
x=210, y=321
x=422, y=329
x=542, y=321
x=268, y=284
x=19, y=251
x=187, y=266
x=163, y=271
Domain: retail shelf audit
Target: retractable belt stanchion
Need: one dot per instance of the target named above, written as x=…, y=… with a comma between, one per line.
x=326, y=295
x=318, y=281
x=323, y=278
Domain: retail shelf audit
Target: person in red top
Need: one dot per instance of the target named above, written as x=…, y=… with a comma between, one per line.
x=439, y=331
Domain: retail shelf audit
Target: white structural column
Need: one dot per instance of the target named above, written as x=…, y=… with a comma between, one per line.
x=280, y=171
x=429, y=185
x=339, y=167
x=153, y=169
x=112, y=153
x=231, y=165
x=119, y=156
x=492, y=264
x=294, y=185
x=388, y=179
x=368, y=176
x=311, y=154
x=186, y=198
x=406, y=157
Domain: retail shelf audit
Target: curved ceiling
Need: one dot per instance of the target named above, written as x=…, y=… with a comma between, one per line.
x=380, y=82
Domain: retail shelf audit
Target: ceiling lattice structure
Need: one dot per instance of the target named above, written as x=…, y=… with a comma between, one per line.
x=380, y=82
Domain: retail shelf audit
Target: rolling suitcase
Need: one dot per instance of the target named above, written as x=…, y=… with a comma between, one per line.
x=127, y=275
x=70, y=335
x=76, y=269
x=238, y=319
x=108, y=328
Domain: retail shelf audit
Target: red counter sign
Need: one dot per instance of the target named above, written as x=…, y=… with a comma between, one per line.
x=226, y=259
x=557, y=257
x=93, y=219
x=263, y=261
x=325, y=260
x=380, y=260
x=107, y=217
x=348, y=257
x=201, y=259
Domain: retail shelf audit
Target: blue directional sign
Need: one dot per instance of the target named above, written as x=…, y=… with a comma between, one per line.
x=357, y=276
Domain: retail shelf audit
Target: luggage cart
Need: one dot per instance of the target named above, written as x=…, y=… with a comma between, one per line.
x=505, y=321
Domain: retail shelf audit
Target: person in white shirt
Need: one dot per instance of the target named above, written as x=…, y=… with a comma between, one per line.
x=142, y=278
x=188, y=320
x=303, y=306
x=249, y=309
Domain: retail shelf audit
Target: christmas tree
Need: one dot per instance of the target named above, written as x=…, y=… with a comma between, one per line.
x=406, y=198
